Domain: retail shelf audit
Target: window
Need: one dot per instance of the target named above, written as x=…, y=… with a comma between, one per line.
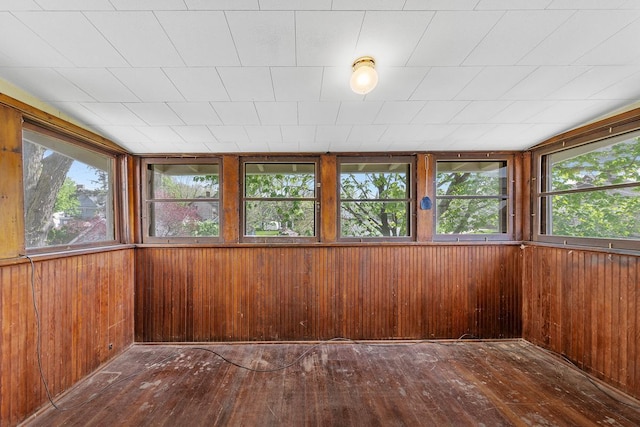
x=590, y=194
x=279, y=200
x=68, y=192
x=376, y=198
x=182, y=200
x=472, y=199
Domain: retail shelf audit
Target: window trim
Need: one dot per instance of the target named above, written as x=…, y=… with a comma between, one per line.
x=116, y=159
x=146, y=201
x=537, y=194
x=509, y=158
x=315, y=160
x=411, y=199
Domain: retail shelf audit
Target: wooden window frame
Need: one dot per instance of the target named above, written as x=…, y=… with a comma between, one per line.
x=117, y=160
x=315, y=160
x=146, y=200
x=509, y=158
x=411, y=187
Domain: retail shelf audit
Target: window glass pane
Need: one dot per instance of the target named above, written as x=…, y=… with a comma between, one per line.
x=374, y=219
x=471, y=178
x=273, y=218
x=68, y=193
x=613, y=213
x=184, y=219
x=279, y=180
x=471, y=197
x=374, y=181
x=184, y=181
x=375, y=199
x=594, y=165
x=471, y=216
x=191, y=191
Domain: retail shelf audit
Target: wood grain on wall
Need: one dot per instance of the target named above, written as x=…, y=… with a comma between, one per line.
x=584, y=305
x=85, y=304
x=314, y=293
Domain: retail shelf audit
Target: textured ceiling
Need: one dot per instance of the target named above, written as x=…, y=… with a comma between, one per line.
x=198, y=76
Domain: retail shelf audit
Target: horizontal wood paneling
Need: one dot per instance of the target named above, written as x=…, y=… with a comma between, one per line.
x=85, y=303
x=584, y=305
x=310, y=293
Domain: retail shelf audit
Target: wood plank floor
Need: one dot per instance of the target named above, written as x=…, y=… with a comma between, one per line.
x=456, y=383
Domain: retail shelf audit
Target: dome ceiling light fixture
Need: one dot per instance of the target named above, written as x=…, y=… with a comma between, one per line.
x=364, y=78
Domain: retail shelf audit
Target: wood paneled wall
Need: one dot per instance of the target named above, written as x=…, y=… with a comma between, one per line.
x=322, y=292
x=584, y=305
x=85, y=304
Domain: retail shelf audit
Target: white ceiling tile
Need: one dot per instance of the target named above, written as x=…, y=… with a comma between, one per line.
x=198, y=83
x=504, y=134
x=398, y=112
x=338, y=146
x=263, y=38
x=625, y=89
x=512, y=4
x=75, y=4
x=391, y=37
x=277, y=113
x=521, y=111
x=193, y=134
x=335, y=84
x=236, y=113
x=515, y=35
x=366, y=134
x=480, y=111
x=160, y=135
x=295, y=4
x=138, y=37
x=74, y=37
x=399, y=133
x=222, y=4
x=397, y=83
x=367, y=4
x=283, y=147
x=331, y=134
x=444, y=43
x=544, y=81
x=358, y=112
x=44, y=83
x=318, y=113
x=155, y=114
x=578, y=35
x=569, y=113
x=124, y=134
x=171, y=147
x=297, y=83
x=620, y=49
x=438, y=132
x=266, y=134
x=314, y=147
x=493, y=82
x=298, y=134
x=32, y=51
x=435, y=112
x=630, y=4
x=148, y=84
x=148, y=4
x=195, y=113
x=440, y=4
x=14, y=5
x=223, y=147
x=99, y=83
x=201, y=38
x=247, y=83
x=114, y=113
x=327, y=38
x=585, y=4
x=230, y=134
x=468, y=133
x=79, y=113
x=444, y=83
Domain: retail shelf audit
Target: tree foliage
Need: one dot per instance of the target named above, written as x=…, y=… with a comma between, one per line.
x=606, y=202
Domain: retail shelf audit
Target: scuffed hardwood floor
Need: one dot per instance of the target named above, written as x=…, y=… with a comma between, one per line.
x=457, y=383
